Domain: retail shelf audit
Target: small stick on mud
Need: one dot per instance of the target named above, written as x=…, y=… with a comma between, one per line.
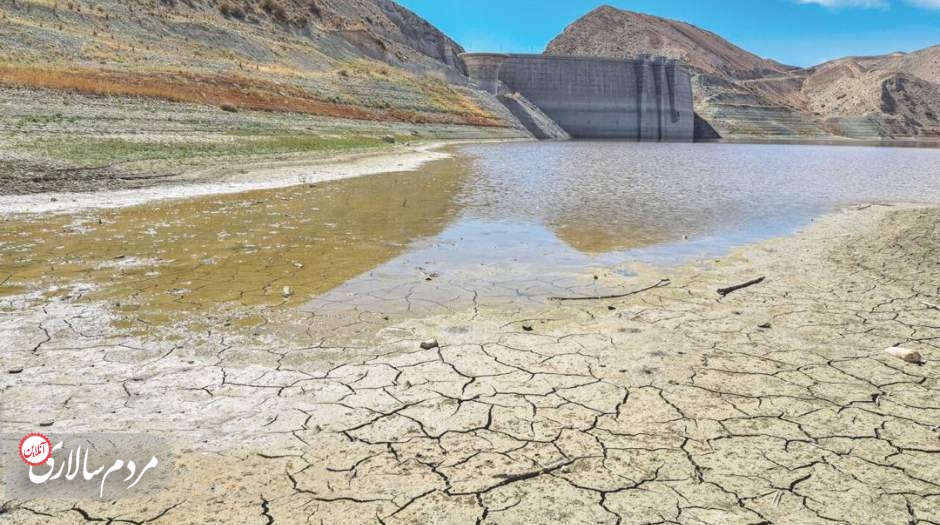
x=660, y=284
x=866, y=206
x=731, y=289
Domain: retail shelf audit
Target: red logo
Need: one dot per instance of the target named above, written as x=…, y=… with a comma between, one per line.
x=35, y=449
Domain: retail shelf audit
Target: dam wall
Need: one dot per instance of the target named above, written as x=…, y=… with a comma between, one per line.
x=644, y=99
x=540, y=125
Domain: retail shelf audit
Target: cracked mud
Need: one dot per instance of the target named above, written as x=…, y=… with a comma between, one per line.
x=775, y=404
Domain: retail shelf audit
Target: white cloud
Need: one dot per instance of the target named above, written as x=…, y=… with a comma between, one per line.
x=926, y=4
x=870, y=4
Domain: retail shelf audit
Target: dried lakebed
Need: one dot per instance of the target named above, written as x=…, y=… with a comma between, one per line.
x=776, y=403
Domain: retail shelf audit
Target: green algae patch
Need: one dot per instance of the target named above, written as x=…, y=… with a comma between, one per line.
x=218, y=261
x=93, y=151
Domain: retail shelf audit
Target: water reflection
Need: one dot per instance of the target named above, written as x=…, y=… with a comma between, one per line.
x=541, y=219
x=606, y=197
x=506, y=221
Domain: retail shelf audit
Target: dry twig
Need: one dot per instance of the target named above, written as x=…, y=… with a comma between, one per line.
x=731, y=289
x=660, y=284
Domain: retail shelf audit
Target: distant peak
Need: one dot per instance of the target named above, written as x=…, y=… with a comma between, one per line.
x=616, y=33
x=607, y=9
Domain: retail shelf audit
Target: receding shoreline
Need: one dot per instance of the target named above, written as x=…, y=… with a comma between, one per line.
x=230, y=178
x=653, y=406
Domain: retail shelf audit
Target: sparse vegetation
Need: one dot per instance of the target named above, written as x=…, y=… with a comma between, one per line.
x=294, y=13
x=275, y=9
x=232, y=10
x=241, y=92
x=97, y=151
x=72, y=72
x=243, y=55
x=44, y=119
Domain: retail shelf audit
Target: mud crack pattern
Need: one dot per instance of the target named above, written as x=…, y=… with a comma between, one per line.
x=776, y=404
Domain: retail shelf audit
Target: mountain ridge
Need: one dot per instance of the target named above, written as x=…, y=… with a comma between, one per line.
x=656, y=32
x=372, y=59
x=740, y=94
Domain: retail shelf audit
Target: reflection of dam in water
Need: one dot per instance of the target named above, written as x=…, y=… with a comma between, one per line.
x=644, y=99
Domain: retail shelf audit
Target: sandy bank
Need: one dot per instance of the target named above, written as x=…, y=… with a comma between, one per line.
x=230, y=179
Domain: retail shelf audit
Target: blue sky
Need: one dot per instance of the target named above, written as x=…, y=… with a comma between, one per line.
x=796, y=32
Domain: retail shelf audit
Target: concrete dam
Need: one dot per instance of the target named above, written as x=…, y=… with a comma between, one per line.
x=644, y=99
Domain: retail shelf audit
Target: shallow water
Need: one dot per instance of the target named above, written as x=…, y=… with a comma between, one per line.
x=500, y=222
x=609, y=197
x=539, y=219
x=215, y=261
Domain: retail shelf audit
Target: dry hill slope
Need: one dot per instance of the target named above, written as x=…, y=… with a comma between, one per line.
x=924, y=63
x=741, y=95
x=895, y=95
x=292, y=76
x=366, y=54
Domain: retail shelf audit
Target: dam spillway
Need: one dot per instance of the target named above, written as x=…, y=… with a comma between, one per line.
x=643, y=99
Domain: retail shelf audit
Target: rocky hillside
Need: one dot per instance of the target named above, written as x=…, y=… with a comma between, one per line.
x=364, y=59
x=125, y=94
x=896, y=95
x=611, y=32
x=741, y=95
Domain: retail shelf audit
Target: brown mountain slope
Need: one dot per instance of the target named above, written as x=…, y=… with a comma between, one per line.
x=611, y=32
x=894, y=95
x=724, y=101
x=924, y=64
x=741, y=95
x=123, y=94
x=373, y=56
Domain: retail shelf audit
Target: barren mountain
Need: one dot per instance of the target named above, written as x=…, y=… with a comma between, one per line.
x=895, y=95
x=98, y=94
x=738, y=94
x=370, y=59
x=924, y=63
x=611, y=32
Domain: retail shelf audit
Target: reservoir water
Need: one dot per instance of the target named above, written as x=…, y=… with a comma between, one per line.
x=535, y=219
x=517, y=221
x=614, y=198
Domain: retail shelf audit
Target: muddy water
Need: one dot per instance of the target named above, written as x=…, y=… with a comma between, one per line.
x=506, y=222
x=190, y=261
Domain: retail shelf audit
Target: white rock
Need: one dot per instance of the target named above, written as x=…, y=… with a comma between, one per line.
x=287, y=292
x=907, y=355
x=429, y=344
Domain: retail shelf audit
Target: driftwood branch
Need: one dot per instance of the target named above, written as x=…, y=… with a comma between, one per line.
x=731, y=289
x=866, y=206
x=660, y=284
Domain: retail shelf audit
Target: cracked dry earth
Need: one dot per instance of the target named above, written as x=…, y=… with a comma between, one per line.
x=776, y=404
